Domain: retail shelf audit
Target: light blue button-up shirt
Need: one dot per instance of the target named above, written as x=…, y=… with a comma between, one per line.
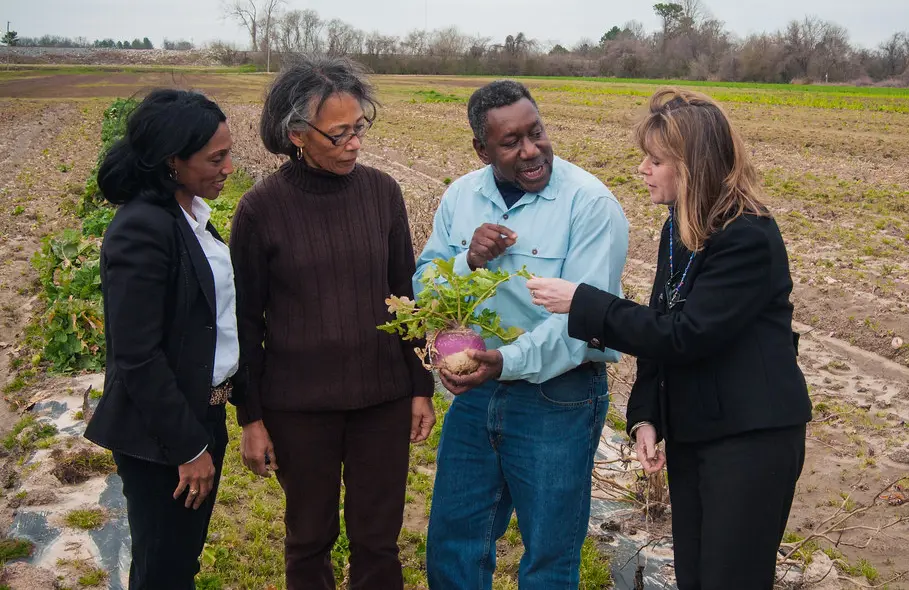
x=573, y=229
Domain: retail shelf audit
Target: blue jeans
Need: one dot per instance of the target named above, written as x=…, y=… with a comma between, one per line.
x=524, y=447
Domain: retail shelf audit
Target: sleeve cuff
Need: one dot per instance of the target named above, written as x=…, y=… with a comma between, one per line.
x=460, y=264
x=512, y=360
x=248, y=413
x=205, y=448
x=588, y=312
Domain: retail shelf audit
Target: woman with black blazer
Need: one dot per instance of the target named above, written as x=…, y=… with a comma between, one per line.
x=170, y=328
x=717, y=374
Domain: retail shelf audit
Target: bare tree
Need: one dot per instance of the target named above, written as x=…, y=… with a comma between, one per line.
x=694, y=11
x=762, y=59
x=832, y=52
x=377, y=44
x=343, y=39
x=478, y=46
x=299, y=31
x=585, y=47
x=254, y=16
x=448, y=42
x=634, y=29
x=246, y=13
x=415, y=43
x=269, y=10
x=801, y=41
x=894, y=54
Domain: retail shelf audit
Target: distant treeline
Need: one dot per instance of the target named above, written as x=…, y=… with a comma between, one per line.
x=83, y=43
x=690, y=44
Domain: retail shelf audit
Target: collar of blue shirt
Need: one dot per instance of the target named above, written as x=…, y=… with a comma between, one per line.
x=487, y=187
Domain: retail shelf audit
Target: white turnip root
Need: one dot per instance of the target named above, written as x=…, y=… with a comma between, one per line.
x=449, y=350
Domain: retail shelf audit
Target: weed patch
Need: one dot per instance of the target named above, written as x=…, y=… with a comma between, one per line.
x=77, y=467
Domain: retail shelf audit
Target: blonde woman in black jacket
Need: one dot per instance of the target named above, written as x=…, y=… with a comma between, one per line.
x=717, y=373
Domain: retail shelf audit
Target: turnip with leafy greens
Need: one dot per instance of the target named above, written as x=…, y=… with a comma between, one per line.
x=447, y=313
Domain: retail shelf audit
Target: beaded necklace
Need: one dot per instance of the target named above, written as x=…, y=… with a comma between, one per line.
x=674, y=294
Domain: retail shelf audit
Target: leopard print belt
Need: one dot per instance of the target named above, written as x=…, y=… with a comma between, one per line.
x=221, y=393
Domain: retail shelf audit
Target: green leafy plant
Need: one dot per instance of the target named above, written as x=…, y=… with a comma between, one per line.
x=97, y=221
x=450, y=302
x=68, y=266
x=113, y=127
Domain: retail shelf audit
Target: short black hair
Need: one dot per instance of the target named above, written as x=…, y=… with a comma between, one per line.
x=302, y=79
x=165, y=124
x=500, y=93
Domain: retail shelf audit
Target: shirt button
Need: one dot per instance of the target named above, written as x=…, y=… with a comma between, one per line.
x=534, y=252
x=505, y=216
x=463, y=242
x=595, y=343
x=662, y=384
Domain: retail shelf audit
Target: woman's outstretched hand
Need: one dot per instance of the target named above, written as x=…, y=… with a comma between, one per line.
x=649, y=456
x=553, y=294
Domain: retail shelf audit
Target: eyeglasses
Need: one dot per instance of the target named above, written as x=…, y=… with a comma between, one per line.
x=342, y=138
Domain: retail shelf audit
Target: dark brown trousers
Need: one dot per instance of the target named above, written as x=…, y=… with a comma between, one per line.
x=372, y=445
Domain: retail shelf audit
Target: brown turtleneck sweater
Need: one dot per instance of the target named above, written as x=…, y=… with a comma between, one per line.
x=315, y=256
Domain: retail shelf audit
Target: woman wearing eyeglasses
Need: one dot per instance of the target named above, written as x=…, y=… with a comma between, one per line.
x=717, y=373
x=317, y=248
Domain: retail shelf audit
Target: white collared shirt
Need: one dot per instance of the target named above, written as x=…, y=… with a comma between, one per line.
x=227, y=345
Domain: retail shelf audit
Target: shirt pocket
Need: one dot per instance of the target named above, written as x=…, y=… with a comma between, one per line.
x=545, y=260
x=543, y=256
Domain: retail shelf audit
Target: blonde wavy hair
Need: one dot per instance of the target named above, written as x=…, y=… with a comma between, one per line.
x=715, y=179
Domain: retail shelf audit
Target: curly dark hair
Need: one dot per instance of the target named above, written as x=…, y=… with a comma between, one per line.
x=500, y=93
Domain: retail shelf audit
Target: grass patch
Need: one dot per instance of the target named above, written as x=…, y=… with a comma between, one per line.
x=223, y=207
x=79, y=466
x=595, y=570
x=433, y=96
x=861, y=569
x=615, y=420
x=11, y=549
x=90, y=519
x=15, y=385
x=802, y=88
x=28, y=434
x=805, y=551
x=94, y=577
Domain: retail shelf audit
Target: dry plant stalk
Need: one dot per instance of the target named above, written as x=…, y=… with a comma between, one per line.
x=835, y=526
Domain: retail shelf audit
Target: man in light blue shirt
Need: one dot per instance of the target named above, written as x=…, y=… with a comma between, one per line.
x=523, y=430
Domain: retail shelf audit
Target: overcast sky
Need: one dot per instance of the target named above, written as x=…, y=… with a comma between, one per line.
x=564, y=21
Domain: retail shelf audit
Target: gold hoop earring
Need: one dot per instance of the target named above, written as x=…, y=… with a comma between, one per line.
x=299, y=152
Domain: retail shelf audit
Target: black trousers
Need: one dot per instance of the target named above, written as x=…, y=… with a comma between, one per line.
x=372, y=446
x=730, y=504
x=167, y=538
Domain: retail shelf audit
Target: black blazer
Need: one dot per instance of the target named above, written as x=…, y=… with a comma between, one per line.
x=720, y=362
x=159, y=323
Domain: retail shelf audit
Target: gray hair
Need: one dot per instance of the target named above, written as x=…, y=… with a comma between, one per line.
x=501, y=93
x=300, y=90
